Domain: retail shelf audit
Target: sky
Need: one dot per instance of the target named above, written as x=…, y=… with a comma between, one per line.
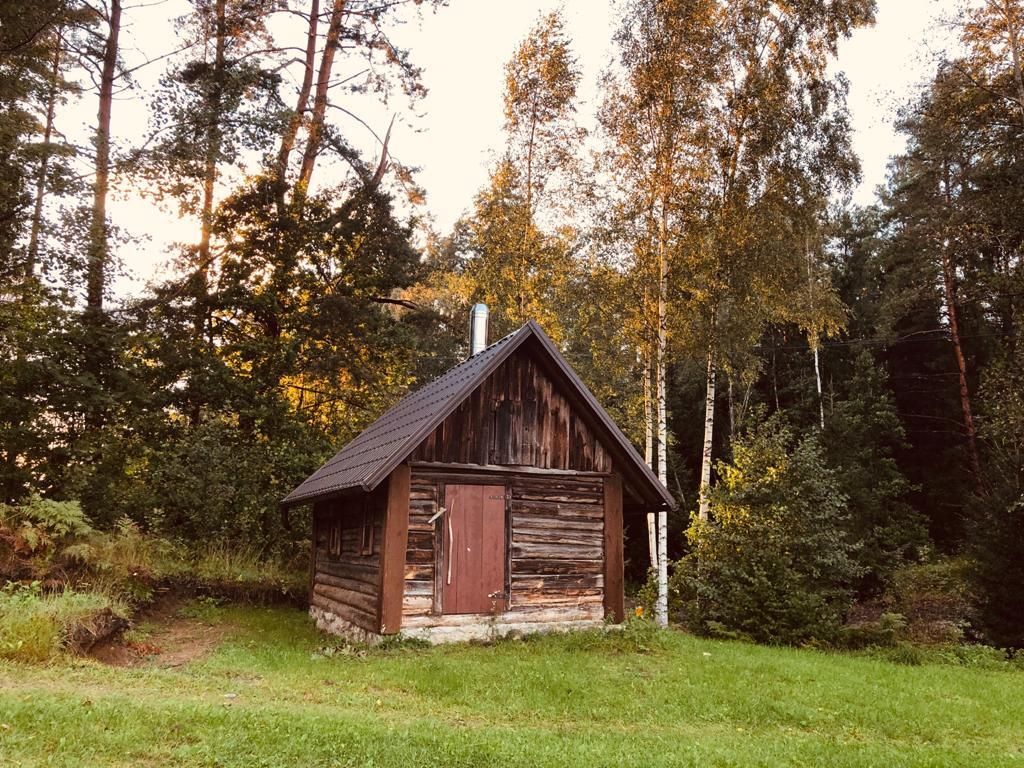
x=455, y=131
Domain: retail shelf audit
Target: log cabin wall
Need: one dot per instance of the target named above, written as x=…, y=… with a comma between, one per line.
x=424, y=501
x=346, y=562
x=556, y=546
x=516, y=417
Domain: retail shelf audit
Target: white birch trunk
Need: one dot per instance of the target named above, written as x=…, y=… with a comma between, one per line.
x=709, y=432
x=814, y=342
x=652, y=533
x=817, y=377
x=661, y=607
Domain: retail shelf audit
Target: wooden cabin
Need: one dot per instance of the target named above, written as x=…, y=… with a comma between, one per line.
x=487, y=502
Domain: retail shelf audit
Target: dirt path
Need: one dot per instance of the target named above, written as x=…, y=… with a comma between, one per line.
x=165, y=638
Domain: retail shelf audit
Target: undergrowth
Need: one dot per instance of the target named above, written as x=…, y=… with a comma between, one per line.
x=35, y=625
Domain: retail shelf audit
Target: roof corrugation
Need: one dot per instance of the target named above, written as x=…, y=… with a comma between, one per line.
x=371, y=456
x=359, y=462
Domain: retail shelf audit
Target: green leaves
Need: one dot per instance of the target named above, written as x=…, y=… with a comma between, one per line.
x=775, y=563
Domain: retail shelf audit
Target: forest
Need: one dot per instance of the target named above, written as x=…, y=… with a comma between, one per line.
x=833, y=393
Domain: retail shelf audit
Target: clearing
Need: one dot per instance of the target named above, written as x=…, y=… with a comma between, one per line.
x=265, y=689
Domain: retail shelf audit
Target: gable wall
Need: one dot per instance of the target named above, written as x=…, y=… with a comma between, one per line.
x=516, y=417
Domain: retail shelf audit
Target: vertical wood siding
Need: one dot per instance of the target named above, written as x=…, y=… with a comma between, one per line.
x=516, y=416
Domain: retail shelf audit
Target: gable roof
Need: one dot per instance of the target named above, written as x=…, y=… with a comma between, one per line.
x=371, y=457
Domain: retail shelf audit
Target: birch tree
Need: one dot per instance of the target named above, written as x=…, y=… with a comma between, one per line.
x=653, y=116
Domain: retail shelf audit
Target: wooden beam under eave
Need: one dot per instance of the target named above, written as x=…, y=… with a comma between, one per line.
x=393, y=548
x=614, y=590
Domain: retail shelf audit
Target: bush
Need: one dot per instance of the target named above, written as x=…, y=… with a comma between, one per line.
x=887, y=631
x=36, y=626
x=934, y=598
x=775, y=564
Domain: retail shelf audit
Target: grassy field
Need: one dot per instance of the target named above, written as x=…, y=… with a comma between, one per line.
x=273, y=693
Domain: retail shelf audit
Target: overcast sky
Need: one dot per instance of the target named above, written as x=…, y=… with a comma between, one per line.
x=457, y=127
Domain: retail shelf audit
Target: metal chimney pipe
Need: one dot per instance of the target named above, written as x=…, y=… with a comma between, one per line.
x=478, y=329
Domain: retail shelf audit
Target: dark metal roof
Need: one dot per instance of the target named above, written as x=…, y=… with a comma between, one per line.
x=389, y=441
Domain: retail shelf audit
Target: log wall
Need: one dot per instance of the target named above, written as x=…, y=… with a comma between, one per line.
x=557, y=543
x=424, y=501
x=347, y=583
x=555, y=547
x=517, y=417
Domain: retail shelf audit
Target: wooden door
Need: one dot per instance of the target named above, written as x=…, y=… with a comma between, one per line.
x=474, y=548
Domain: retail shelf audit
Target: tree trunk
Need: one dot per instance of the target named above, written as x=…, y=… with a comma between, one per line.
x=814, y=341
x=952, y=308
x=661, y=608
x=32, y=255
x=214, y=142
x=98, y=253
x=652, y=532
x=292, y=129
x=817, y=379
x=948, y=281
x=316, y=123
x=731, y=406
x=709, y=431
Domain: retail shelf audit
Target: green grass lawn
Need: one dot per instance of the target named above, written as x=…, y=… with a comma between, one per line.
x=266, y=697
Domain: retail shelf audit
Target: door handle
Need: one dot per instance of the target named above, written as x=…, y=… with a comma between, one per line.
x=451, y=543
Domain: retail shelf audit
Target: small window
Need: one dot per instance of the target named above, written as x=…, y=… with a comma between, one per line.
x=335, y=540
x=366, y=533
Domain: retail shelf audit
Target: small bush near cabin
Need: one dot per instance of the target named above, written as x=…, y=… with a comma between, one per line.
x=774, y=564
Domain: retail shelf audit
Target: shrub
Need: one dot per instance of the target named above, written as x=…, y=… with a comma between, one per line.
x=32, y=532
x=934, y=598
x=775, y=563
x=884, y=632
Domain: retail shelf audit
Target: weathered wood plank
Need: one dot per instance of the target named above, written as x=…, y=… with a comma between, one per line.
x=419, y=588
x=614, y=599
x=395, y=544
x=367, y=572
x=576, y=538
x=558, y=509
x=351, y=585
x=346, y=597
x=582, y=484
x=537, y=522
x=557, y=581
x=536, y=566
x=553, y=551
x=419, y=572
x=539, y=600
x=359, y=618
x=524, y=614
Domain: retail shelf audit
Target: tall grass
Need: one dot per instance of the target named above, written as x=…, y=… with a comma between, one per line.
x=35, y=626
x=223, y=564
